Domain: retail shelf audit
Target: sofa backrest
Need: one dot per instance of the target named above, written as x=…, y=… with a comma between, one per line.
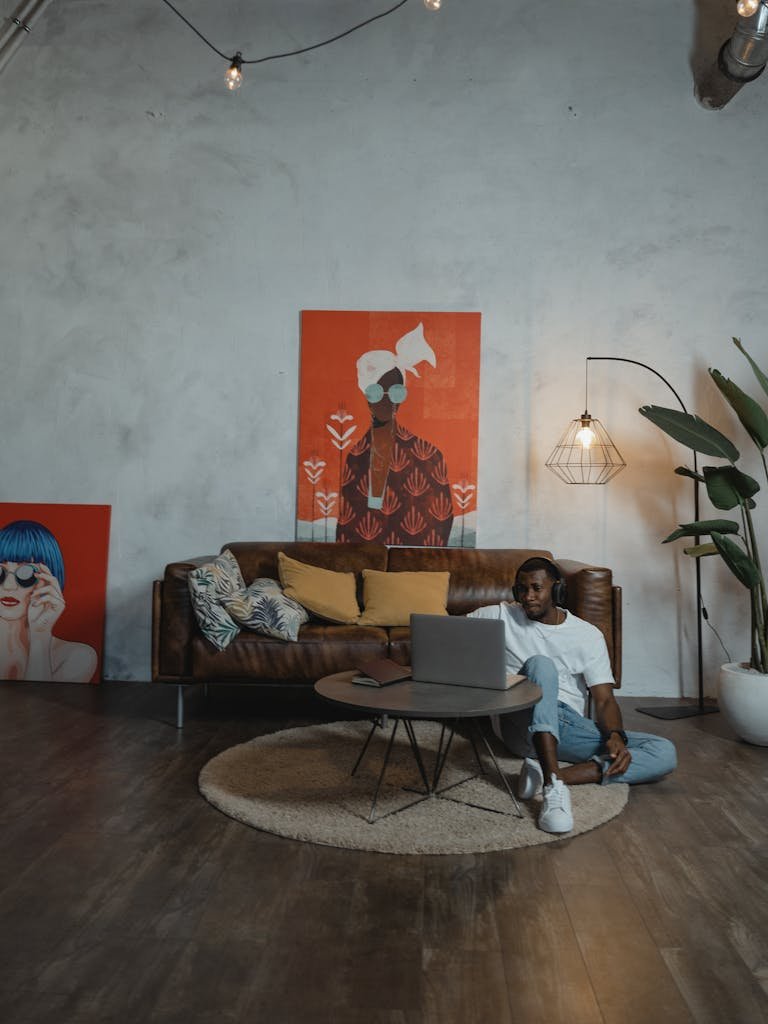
x=479, y=576
x=259, y=558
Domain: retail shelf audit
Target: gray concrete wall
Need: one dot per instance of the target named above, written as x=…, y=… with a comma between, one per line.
x=546, y=165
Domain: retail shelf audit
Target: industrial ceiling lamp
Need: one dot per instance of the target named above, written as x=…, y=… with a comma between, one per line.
x=743, y=57
x=746, y=8
x=585, y=454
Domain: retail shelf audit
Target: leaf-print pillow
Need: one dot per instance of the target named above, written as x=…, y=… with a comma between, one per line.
x=209, y=586
x=263, y=607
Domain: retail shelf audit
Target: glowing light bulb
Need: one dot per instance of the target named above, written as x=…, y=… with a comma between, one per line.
x=234, y=75
x=586, y=436
x=433, y=5
x=747, y=8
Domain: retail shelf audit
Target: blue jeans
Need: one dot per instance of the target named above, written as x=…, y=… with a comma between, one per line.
x=578, y=738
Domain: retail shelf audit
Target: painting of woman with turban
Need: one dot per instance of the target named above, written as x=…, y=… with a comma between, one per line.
x=388, y=418
x=395, y=484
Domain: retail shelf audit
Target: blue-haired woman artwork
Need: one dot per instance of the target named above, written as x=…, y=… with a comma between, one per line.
x=31, y=603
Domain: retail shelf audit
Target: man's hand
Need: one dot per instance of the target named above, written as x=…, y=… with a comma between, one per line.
x=619, y=755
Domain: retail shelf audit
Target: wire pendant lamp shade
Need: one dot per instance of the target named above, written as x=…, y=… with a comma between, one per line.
x=585, y=454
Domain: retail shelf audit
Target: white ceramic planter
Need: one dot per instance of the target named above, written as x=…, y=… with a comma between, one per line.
x=742, y=695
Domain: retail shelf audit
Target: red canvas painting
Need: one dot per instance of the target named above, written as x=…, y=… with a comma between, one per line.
x=53, y=582
x=388, y=419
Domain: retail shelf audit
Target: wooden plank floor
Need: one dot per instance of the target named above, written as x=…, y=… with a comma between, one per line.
x=125, y=897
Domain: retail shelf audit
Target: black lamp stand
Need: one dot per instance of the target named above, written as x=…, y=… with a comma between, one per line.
x=699, y=708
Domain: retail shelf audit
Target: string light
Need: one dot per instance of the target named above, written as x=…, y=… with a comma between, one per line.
x=747, y=8
x=234, y=74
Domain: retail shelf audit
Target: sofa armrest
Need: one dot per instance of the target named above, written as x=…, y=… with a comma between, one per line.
x=592, y=596
x=173, y=622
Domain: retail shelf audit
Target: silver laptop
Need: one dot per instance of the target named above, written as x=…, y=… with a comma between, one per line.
x=460, y=651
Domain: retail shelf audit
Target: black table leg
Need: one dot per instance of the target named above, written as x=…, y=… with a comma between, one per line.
x=499, y=772
x=430, y=787
x=383, y=770
x=374, y=727
x=442, y=755
x=417, y=754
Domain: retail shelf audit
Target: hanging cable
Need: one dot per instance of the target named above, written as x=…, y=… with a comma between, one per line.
x=289, y=53
x=333, y=39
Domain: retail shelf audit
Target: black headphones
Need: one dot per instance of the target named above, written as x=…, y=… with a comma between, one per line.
x=559, y=590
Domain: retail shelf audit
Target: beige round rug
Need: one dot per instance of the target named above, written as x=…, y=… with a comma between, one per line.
x=297, y=783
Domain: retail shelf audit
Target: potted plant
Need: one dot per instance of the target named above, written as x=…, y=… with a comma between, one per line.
x=743, y=686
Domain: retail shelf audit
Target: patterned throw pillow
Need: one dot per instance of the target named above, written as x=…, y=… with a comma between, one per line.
x=263, y=607
x=209, y=586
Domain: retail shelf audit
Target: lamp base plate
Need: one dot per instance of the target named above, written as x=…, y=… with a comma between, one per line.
x=671, y=712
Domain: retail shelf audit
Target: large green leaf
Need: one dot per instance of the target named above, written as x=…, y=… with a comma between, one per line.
x=684, y=471
x=737, y=560
x=727, y=486
x=691, y=431
x=763, y=380
x=702, y=526
x=753, y=418
x=699, y=550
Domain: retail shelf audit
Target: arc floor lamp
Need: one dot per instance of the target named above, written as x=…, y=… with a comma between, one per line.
x=585, y=454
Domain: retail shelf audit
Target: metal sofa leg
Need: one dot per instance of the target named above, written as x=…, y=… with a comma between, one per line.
x=179, y=706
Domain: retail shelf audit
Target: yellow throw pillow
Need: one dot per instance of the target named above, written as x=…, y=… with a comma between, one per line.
x=329, y=595
x=391, y=597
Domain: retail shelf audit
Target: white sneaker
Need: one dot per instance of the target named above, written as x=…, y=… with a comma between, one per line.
x=556, y=813
x=531, y=779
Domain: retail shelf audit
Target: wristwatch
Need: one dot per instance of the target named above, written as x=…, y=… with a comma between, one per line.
x=607, y=733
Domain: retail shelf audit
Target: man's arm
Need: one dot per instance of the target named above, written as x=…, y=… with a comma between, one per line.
x=608, y=715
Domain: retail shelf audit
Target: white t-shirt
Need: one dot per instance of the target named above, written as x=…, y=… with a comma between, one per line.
x=576, y=647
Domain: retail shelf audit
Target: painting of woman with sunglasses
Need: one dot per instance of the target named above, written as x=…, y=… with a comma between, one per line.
x=394, y=486
x=31, y=603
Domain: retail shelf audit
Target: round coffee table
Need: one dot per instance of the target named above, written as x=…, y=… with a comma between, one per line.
x=409, y=700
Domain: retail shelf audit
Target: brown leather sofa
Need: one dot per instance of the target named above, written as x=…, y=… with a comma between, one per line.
x=479, y=576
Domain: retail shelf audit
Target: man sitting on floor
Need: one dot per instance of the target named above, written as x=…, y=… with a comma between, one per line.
x=566, y=656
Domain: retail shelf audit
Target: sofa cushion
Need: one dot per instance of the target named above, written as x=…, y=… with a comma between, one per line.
x=263, y=607
x=327, y=594
x=391, y=597
x=322, y=650
x=208, y=586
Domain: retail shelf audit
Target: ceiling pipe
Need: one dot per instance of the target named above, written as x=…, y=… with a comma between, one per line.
x=20, y=25
x=12, y=24
x=743, y=57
